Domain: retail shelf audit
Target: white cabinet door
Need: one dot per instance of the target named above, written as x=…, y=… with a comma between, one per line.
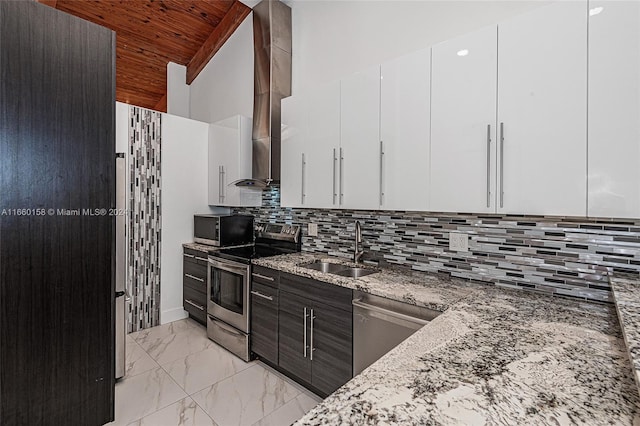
x=463, y=123
x=294, y=133
x=320, y=145
x=230, y=160
x=614, y=109
x=359, y=156
x=542, y=109
x=404, y=132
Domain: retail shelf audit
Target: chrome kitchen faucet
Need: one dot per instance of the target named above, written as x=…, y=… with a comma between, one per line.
x=359, y=250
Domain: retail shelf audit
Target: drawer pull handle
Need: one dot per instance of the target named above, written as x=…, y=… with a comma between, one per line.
x=188, y=255
x=264, y=296
x=193, y=304
x=202, y=258
x=264, y=277
x=194, y=278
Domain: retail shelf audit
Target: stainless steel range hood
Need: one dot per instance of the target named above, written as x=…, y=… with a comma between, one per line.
x=272, y=82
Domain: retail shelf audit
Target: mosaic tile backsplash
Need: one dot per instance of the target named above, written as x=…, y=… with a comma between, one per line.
x=143, y=227
x=569, y=257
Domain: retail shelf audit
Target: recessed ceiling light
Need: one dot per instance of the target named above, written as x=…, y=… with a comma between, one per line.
x=595, y=10
x=463, y=52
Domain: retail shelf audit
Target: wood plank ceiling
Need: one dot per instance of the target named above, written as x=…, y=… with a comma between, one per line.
x=151, y=33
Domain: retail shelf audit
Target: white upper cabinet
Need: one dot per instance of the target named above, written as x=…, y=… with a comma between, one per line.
x=542, y=111
x=614, y=109
x=310, y=138
x=463, y=123
x=404, y=132
x=359, y=153
x=322, y=147
x=230, y=160
x=294, y=132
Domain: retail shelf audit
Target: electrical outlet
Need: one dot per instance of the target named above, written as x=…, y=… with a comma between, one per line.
x=312, y=230
x=458, y=242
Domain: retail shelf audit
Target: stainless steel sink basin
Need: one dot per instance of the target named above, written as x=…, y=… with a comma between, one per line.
x=325, y=267
x=355, y=272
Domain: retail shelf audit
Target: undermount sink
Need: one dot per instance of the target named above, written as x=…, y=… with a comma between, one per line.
x=337, y=269
x=355, y=272
x=325, y=267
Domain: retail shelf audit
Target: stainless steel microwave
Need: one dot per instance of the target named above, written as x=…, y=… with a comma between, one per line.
x=223, y=230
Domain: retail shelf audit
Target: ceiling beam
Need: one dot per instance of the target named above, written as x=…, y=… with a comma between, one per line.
x=218, y=37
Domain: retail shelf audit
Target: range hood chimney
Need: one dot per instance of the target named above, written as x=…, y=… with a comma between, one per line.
x=272, y=82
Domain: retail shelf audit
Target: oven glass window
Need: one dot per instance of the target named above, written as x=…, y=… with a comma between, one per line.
x=227, y=290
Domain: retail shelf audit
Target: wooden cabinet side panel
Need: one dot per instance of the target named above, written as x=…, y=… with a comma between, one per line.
x=57, y=145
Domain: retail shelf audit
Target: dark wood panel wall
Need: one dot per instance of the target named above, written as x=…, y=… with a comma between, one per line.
x=57, y=100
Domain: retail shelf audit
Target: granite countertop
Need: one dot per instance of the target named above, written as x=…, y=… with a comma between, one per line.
x=627, y=299
x=200, y=247
x=495, y=356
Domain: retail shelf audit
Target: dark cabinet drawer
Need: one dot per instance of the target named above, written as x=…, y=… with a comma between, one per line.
x=265, y=276
x=195, y=256
x=264, y=322
x=195, y=302
x=316, y=291
x=195, y=276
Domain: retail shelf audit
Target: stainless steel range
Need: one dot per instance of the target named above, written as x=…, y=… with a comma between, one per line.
x=229, y=279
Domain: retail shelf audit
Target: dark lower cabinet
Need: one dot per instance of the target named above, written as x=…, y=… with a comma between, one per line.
x=316, y=333
x=194, y=284
x=293, y=339
x=264, y=313
x=331, y=366
x=57, y=156
x=264, y=322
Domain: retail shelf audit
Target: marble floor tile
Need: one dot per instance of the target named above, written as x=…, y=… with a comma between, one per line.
x=291, y=411
x=246, y=397
x=182, y=413
x=175, y=346
x=144, y=394
x=163, y=330
x=202, y=369
x=136, y=359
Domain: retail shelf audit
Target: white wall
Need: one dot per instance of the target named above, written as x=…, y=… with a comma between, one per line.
x=122, y=127
x=332, y=39
x=178, y=92
x=225, y=86
x=184, y=193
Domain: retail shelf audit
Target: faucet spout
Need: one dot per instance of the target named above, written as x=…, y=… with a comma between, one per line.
x=359, y=250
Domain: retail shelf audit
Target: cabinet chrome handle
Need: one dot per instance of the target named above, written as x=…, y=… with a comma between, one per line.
x=381, y=165
x=488, y=165
x=202, y=258
x=194, y=305
x=264, y=277
x=264, y=296
x=335, y=159
x=302, y=186
x=194, y=278
x=219, y=184
x=188, y=255
x=341, y=176
x=304, y=343
x=501, y=165
x=311, y=344
x=222, y=184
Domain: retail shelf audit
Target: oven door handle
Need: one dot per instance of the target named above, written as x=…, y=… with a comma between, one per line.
x=230, y=266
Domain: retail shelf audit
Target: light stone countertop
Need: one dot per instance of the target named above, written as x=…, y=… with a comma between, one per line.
x=495, y=356
x=626, y=294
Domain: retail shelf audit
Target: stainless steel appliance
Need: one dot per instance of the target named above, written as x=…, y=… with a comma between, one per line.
x=229, y=280
x=121, y=267
x=223, y=230
x=380, y=324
